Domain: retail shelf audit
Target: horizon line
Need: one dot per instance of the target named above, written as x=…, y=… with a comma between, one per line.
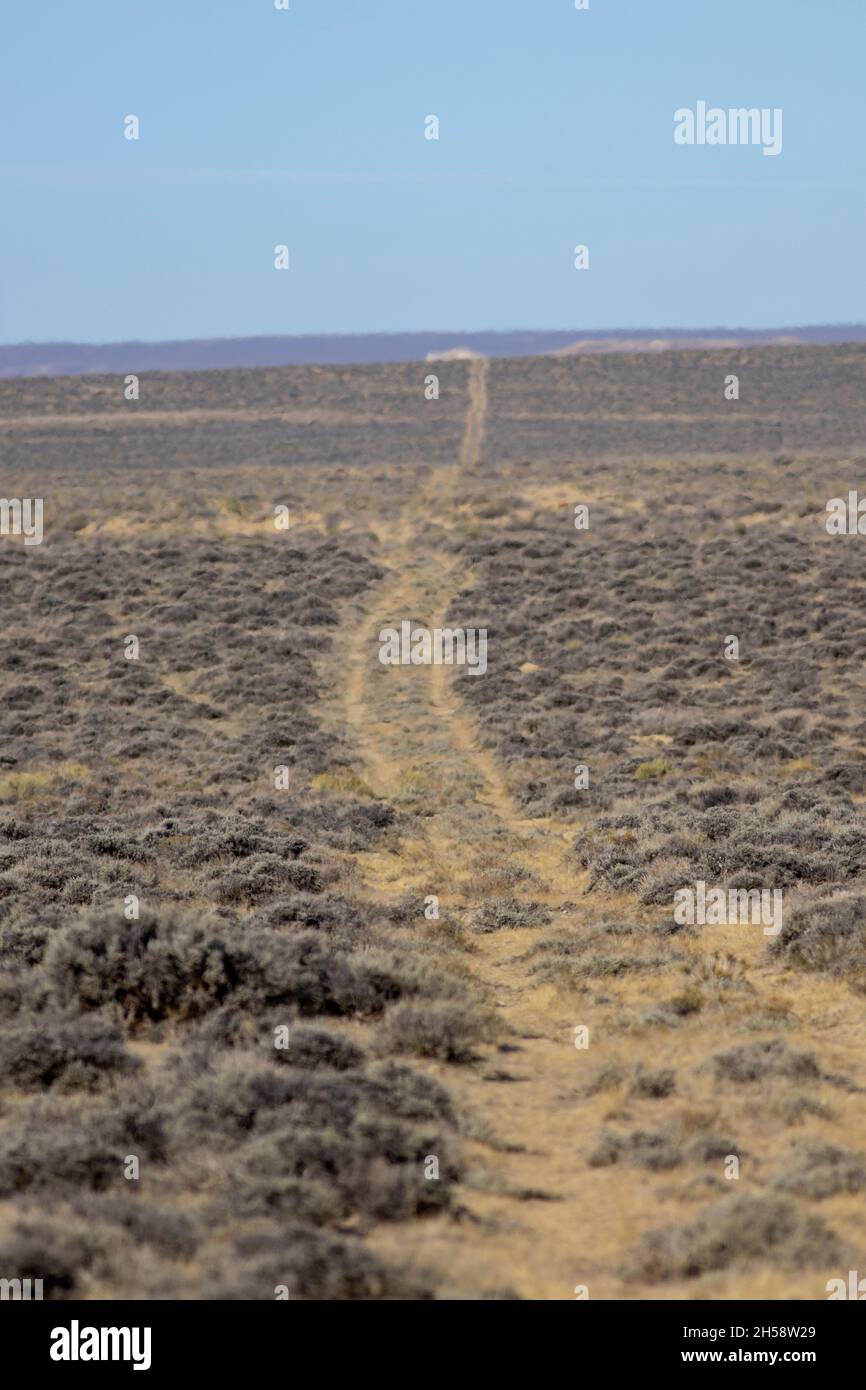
x=576, y=333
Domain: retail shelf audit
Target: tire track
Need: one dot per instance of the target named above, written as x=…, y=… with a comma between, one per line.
x=476, y=417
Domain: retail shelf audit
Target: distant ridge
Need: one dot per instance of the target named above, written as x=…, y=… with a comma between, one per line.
x=204, y=354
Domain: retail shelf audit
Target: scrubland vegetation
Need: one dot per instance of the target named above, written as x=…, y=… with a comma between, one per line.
x=171, y=903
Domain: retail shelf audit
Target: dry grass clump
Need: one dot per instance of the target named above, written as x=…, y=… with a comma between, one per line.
x=819, y=1170
x=505, y=914
x=606, y=950
x=448, y=1031
x=757, y=1061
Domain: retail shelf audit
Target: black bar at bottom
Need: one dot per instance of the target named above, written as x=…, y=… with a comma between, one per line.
x=155, y=1339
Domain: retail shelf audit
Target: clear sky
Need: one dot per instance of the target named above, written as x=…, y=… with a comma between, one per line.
x=306, y=127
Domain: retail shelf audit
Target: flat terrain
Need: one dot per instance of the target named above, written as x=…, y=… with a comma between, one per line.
x=237, y=1054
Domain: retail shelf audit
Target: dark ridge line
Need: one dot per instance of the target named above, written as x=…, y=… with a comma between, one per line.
x=335, y=349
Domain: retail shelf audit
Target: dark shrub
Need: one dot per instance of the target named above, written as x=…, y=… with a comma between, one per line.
x=310, y=1265
x=434, y=1028
x=171, y=966
x=757, y=1060
x=737, y=1231
x=827, y=935
x=69, y=1052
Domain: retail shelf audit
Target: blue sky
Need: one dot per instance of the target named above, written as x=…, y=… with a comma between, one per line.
x=305, y=127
